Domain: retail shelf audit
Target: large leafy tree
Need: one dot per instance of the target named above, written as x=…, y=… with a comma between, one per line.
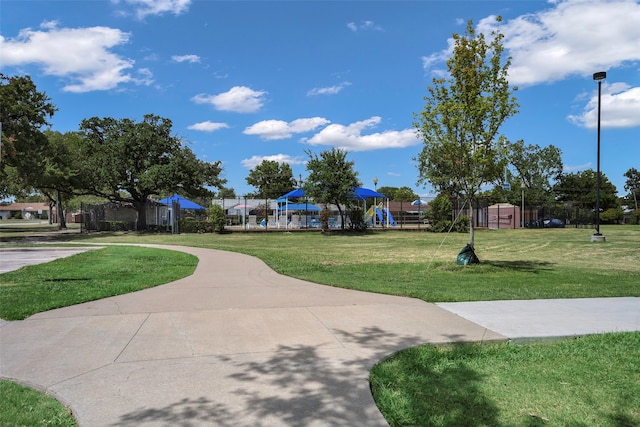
x=460, y=123
x=125, y=161
x=401, y=194
x=226, y=193
x=331, y=178
x=271, y=179
x=24, y=113
x=60, y=178
x=632, y=184
x=579, y=189
x=534, y=167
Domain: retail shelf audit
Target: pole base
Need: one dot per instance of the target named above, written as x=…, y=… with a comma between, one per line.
x=598, y=238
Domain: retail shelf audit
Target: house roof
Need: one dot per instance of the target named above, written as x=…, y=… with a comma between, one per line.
x=29, y=207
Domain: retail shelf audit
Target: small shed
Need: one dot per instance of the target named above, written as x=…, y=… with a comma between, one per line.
x=504, y=215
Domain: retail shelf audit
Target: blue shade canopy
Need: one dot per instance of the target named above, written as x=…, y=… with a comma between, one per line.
x=293, y=193
x=184, y=203
x=364, y=193
x=356, y=193
x=299, y=207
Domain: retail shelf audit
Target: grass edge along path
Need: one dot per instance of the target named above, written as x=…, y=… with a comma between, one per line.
x=88, y=276
x=592, y=380
x=515, y=264
x=24, y=406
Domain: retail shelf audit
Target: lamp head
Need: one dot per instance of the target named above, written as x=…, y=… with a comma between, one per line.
x=599, y=75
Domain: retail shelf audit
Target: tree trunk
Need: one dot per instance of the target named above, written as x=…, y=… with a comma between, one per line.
x=62, y=220
x=471, y=229
x=141, y=209
x=341, y=216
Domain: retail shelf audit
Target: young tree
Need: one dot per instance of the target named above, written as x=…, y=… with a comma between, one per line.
x=331, y=178
x=463, y=149
x=632, y=184
x=125, y=161
x=271, y=179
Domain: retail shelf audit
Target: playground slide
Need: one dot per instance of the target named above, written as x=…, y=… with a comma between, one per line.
x=383, y=214
x=391, y=220
x=380, y=216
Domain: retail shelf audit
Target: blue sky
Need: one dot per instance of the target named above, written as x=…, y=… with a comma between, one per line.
x=245, y=81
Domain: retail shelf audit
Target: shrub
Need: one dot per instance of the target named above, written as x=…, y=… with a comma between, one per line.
x=612, y=216
x=462, y=224
x=191, y=225
x=217, y=218
x=441, y=226
x=325, y=214
x=439, y=214
x=356, y=220
x=113, y=226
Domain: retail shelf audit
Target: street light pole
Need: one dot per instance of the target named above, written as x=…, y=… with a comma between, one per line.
x=597, y=237
x=375, y=200
x=522, y=186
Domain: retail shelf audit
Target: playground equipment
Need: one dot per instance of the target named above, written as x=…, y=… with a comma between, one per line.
x=384, y=216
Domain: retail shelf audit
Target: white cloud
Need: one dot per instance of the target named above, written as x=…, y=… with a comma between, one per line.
x=364, y=26
x=350, y=137
x=186, y=58
x=278, y=129
x=81, y=55
x=144, y=8
x=436, y=62
x=331, y=90
x=572, y=37
x=208, y=126
x=239, y=99
x=620, y=108
x=574, y=168
x=280, y=158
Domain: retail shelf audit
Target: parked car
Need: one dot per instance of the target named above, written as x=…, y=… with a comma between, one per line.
x=553, y=223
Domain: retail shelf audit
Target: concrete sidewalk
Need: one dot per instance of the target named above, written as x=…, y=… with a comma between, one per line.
x=233, y=344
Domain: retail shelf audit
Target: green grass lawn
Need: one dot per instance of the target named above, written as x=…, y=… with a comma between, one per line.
x=89, y=276
x=589, y=381
x=23, y=406
x=515, y=264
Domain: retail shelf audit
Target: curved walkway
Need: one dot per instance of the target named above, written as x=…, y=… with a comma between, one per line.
x=235, y=344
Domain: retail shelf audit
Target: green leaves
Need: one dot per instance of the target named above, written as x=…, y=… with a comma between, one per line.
x=271, y=179
x=460, y=122
x=331, y=178
x=128, y=161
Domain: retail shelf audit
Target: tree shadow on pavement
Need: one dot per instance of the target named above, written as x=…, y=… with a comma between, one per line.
x=304, y=385
x=187, y=412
